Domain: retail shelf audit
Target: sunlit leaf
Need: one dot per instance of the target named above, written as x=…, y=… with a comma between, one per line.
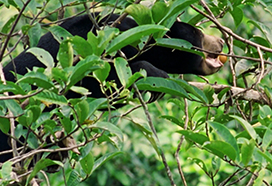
x=250, y=130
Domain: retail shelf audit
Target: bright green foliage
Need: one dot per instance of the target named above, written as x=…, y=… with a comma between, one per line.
x=227, y=136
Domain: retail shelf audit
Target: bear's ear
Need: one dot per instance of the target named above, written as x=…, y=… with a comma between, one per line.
x=211, y=62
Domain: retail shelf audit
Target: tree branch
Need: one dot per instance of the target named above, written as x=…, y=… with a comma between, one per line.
x=239, y=93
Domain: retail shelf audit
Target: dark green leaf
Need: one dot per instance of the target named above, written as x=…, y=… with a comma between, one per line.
x=49, y=97
x=4, y=125
x=221, y=149
x=226, y=135
x=174, y=120
x=14, y=107
x=192, y=89
x=132, y=35
x=104, y=159
x=83, y=68
x=42, y=164
x=74, y=178
x=158, y=84
x=195, y=137
x=178, y=44
x=237, y=14
x=38, y=79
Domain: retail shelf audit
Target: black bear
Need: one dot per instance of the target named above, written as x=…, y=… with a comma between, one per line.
x=157, y=61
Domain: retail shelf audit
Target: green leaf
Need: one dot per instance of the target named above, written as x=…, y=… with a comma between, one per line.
x=34, y=34
x=74, y=178
x=104, y=38
x=103, y=73
x=178, y=44
x=132, y=35
x=201, y=164
x=267, y=157
x=51, y=97
x=247, y=150
x=11, y=87
x=221, y=149
x=14, y=107
x=36, y=78
x=158, y=10
x=93, y=41
x=66, y=123
x=123, y=70
x=26, y=119
x=267, y=32
x=195, y=137
x=83, y=68
x=6, y=170
x=209, y=92
x=109, y=127
x=250, y=130
x=82, y=46
x=192, y=89
x=95, y=104
x=65, y=54
x=140, y=13
x=225, y=134
x=4, y=125
x=158, y=84
x=41, y=164
x=177, y=7
x=237, y=14
x=267, y=139
x=122, y=177
x=43, y=56
x=87, y=163
x=174, y=120
x=59, y=33
x=6, y=28
x=104, y=159
x=82, y=110
x=135, y=77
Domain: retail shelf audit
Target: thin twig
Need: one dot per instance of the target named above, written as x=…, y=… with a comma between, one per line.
x=168, y=171
x=181, y=141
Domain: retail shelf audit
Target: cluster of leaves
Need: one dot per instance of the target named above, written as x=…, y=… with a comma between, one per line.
x=226, y=137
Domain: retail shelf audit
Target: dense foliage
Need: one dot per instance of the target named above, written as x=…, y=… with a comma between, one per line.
x=216, y=132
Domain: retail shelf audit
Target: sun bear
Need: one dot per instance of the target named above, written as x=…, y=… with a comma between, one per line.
x=157, y=61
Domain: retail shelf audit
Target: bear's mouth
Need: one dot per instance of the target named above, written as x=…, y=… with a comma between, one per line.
x=212, y=60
